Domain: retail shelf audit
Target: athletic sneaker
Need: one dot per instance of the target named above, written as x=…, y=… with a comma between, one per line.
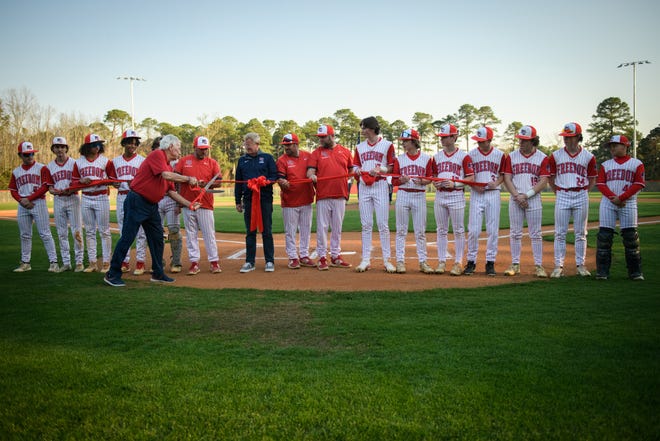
x=540, y=272
x=79, y=268
x=54, y=268
x=247, y=267
x=215, y=267
x=557, y=272
x=323, y=264
x=92, y=268
x=306, y=261
x=194, y=269
x=139, y=269
x=490, y=268
x=162, y=279
x=125, y=267
x=23, y=267
x=389, y=268
x=456, y=270
x=294, y=264
x=175, y=269
x=440, y=268
x=512, y=270
x=363, y=266
x=400, y=267
x=270, y=267
x=469, y=268
x=583, y=271
x=426, y=268
x=113, y=281
x=66, y=267
x=339, y=262
x=106, y=267
x=637, y=276
x=600, y=276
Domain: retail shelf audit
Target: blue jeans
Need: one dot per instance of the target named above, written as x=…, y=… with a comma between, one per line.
x=138, y=212
x=267, y=233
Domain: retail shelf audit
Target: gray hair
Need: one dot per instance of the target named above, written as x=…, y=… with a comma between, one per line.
x=168, y=141
x=253, y=136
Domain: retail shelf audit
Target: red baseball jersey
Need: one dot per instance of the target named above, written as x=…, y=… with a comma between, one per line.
x=149, y=182
x=617, y=176
x=572, y=171
x=61, y=174
x=487, y=166
x=526, y=170
x=294, y=169
x=420, y=164
x=335, y=162
x=204, y=170
x=98, y=169
x=29, y=182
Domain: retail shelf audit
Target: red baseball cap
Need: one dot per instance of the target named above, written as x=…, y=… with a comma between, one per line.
x=26, y=147
x=93, y=138
x=483, y=134
x=409, y=134
x=448, y=130
x=201, y=142
x=325, y=130
x=619, y=139
x=526, y=132
x=571, y=129
x=290, y=138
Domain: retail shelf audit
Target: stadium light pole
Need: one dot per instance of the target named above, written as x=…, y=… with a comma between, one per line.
x=634, y=66
x=130, y=80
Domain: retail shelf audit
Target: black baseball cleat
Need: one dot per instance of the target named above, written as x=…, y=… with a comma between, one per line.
x=469, y=268
x=490, y=268
x=162, y=279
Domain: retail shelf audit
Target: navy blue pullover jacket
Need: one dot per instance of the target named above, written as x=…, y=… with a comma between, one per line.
x=250, y=167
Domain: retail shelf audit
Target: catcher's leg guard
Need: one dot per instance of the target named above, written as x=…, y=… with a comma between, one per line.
x=633, y=256
x=604, y=252
x=176, y=244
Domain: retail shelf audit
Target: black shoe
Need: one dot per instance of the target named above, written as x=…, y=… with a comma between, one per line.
x=113, y=281
x=602, y=276
x=490, y=268
x=469, y=268
x=162, y=279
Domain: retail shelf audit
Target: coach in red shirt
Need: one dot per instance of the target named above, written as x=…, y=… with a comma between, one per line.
x=153, y=180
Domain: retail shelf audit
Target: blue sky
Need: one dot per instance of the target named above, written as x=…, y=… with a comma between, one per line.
x=542, y=63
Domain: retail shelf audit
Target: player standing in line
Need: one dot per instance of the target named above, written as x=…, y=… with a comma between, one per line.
x=525, y=176
x=330, y=160
x=488, y=164
x=254, y=164
x=28, y=185
x=204, y=168
x=411, y=198
x=451, y=163
x=66, y=205
x=169, y=211
x=296, y=199
x=126, y=167
x=619, y=180
x=374, y=155
x=573, y=173
x=93, y=166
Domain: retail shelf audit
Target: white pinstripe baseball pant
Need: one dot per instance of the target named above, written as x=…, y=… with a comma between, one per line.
x=297, y=219
x=571, y=204
x=517, y=215
x=483, y=205
x=38, y=214
x=202, y=220
x=96, y=217
x=375, y=198
x=329, y=214
x=608, y=213
x=407, y=203
x=67, y=215
x=141, y=239
x=450, y=205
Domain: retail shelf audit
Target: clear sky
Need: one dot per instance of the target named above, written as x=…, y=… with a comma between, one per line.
x=541, y=63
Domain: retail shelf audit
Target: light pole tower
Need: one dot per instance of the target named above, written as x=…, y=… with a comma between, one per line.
x=130, y=80
x=634, y=66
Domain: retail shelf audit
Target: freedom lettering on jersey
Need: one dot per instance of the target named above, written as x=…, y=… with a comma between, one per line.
x=92, y=172
x=526, y=168
x=620, y=175
x=28, y=179
x=450, y=167
x=126, y=170
x=62, y=175
x=571, y=167
x=413, y=170
x=372, y=156
x=486, y=166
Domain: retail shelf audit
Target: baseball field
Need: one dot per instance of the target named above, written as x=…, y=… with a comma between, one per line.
x=573, y=358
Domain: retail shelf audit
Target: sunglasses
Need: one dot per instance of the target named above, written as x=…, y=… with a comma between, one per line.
x=27, y=155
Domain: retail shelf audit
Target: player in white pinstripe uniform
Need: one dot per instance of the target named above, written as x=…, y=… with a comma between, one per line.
x=93, y=166
x=28, y=185
x=66, y=206
x=525, y=176
x=573, y=173
x=411, y=198
x=126, y=167
x=449, y=204
x=619, y=180
x=488, y=164
x=373, y=156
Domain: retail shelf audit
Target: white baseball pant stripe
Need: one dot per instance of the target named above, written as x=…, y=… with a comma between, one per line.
x=450, y=205
x=608, y=213
x=329, y=214
x=202, y=220
x=375, y=198
x=533, y=214
x=38, y=214
x=96, y=217
x=571, y=204
x=141, y=238
x=483, y=205
x=408, y=203
x=297, y=219
x=67, y=215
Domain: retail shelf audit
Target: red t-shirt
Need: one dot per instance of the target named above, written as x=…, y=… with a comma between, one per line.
x=336, y=163
x=204, y=170
x=293, y=169
x=148, y=182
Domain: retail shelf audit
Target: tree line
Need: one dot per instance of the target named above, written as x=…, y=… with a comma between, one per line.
x=22, y=118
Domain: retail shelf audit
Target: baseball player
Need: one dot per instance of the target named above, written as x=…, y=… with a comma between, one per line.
x=329, y=165
x=169, y=211
x=126, y=167
x=619, y=180
x=488, y=164
x=93, y=166
x=572, y=175
x=28, y=185
x=296, y=200
x=526, y=174
x=66, y=205
x=374, y=156
x=413, y=167
x=451, y=163
x=204, y=168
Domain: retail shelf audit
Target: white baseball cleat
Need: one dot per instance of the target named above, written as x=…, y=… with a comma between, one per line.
x=363, y=266
x=23, y=267
x=583, y=271
x=457, y=269
x=441, y=267
x=512, y=270
x=389, y=268
x=557, y=273
x=540, y=272
x=54, y=268
x=426, y=268
x=79, y=268
x=400, y=267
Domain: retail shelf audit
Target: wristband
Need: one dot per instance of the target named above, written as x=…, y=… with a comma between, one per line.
x=383, y=169
x=530, y=193
x=458, y=184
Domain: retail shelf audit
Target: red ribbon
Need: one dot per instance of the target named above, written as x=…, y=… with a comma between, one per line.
x=256, y=218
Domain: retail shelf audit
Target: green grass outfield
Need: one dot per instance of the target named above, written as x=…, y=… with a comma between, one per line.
x=569, y=359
